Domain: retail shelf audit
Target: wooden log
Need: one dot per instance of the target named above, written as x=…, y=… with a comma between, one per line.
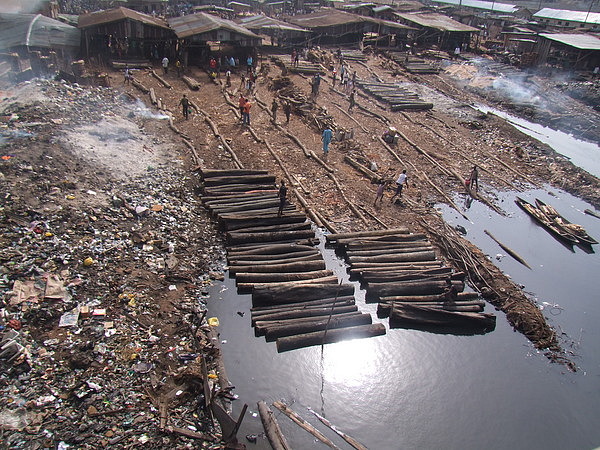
x=258, y=315
x=153, y=99
x=387, y=251
x=384, y=309
x=302, y=313
x=251, y=262
x=274, y=277
x=299, y=293
x=434, y=317
x=246, y=288
x=287, y=343
x=303, y=423
x=306, y=225
x=268, y=249
x=391, y=277
x=161, y=80
x=216, y=173
x=271, y=427
x=460, y=296
x=140, y=86
x=245, y=206
x=356, y=234
x=398, y=257
x=334, y=322
x=381, y=239
x=230, y=189
x=299, y=305
x=372, y=246
x=411, y=288
x=302, y=266
x=233, y=237
x=508, y=250
x=259, y=257
x=420, y=265
x=229, y=199
x=243, y=222
x=349, y=439
x=239, y=179
x=268, y=209
x=311, y=242
x=426, y=271
x=191, y=83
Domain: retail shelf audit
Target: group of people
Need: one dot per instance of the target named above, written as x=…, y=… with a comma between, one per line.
x=287, y=110
x=244, y=105
x=401, y=183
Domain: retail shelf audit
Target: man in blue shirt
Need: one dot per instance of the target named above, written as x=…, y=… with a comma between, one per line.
x=326, y=138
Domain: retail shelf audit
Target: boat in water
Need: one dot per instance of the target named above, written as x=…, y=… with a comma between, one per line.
x=541, y=218
x=572, y=228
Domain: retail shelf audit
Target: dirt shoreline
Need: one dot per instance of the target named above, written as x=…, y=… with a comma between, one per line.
x=99, y=197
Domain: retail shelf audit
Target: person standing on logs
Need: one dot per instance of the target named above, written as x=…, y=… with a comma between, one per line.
x=274, y=108
x=282, y=197
x=185, y=106
x=287, y=110
x=400, y=183
x=326, y=138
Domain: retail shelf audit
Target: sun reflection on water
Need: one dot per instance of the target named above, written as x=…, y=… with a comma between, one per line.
x=350, y=363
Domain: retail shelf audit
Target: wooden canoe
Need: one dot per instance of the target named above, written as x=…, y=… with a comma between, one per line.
x=541, y=219
x=576, y=230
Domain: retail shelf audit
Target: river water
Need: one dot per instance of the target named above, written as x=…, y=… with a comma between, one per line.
x=413, y=389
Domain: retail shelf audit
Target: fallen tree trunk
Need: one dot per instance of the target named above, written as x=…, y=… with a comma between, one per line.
x=356, y=234
x=257, y=316
x=246, y=288
x=274, y=277
x=383, y=309
x=161, y=80
x=260, y=309
x=299, y=293
x=285, y=344
x=191, y=83
x=302, y=266
x=425, y=316
x=334, y=322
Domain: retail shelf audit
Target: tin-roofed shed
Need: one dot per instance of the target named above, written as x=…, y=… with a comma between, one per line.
x=279, y=31
x=438, y=29
x=122, y=33
x=569, y=51
x=567, y=19
x=23, y=32
x=330, y=25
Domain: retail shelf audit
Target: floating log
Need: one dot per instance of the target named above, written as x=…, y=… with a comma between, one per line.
x=302, y=313
x=216, y=200
x=334, y=322
x=411, y=288
x=508, y=250
x=246, y=288
x=268, y=249
x=287, y=343
x=240, y=238
x=459, y=296
x=397, y=257
x=255, y=258
x=379, y=239
x=592, y=213
x=383, y=309
x=303, y=423
x=356, y=234
x=306, y=225
x=245, y=206
x=271, y=427
x=299, y=293
x=191, y=83
x=259, y=315
x=349, y=439
x=231, y=224
x=274, y=277
x=410, y=265
x=261, y=309
x=387, y=251
x=291, y=267
x=249, y=262
x=391, y=277
x=426, y=271
x=408, y=314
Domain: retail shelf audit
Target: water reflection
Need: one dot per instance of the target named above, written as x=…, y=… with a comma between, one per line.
x=350, y=363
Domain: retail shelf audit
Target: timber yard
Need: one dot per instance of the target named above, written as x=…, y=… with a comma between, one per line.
x=299, y=225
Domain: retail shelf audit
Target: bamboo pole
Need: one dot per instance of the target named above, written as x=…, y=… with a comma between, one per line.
x=303, y=423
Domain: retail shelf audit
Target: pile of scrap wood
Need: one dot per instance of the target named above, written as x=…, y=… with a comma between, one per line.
x=304, y=67
x=397, y=96
x=353, y=55
x=412, y=64
x=311, y=113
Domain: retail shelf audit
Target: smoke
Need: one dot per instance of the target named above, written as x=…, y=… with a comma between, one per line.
x=21, y=6
x=518, y=91
x=141, y=110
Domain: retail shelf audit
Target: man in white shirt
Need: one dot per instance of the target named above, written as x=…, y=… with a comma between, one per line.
x=165, y=64
x=400, y=182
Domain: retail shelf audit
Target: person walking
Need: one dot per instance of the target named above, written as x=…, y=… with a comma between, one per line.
x=246, y=116
x=165, y=65
x=379, y=193
x=282, y=197
x=352, y=100
x=228, y=78
x=287, y=110
x=185, y=106
x=178, y=68
x=334, y=78
x=249, y=64
x=274, y=108
x=241, y=103
x=400, y=183
x=326, y=138
x=128, y=76
x=473, y=181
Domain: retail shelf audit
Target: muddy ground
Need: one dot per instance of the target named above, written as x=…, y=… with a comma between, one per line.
x=99, y=202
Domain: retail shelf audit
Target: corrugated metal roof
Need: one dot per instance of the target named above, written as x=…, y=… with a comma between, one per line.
x=478, y=4
x=35, y=30
x=200, y=23
x=244, y=5
x=437, y=21
x=325, y=17
x=580, y=41
x=382, y=8
x=569, y=16
x=117, y=14
x=265, y=22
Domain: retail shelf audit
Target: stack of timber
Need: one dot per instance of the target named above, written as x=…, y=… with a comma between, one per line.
x=413, y=64
x=304, y=67
x=401, y=272
x=353, y=55
x=398, y=97
x=296, y=301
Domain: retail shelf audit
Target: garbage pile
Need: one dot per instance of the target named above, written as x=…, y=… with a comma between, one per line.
x=103, y=280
